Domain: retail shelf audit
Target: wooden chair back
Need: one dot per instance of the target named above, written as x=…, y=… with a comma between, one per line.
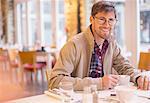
x=13, y=54
x=144, y=61
x=27, y=57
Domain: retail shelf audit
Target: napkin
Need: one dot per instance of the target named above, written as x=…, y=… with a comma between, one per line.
x=56, y=94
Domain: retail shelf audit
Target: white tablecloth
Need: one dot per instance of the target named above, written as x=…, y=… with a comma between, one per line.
x=104, y=97
x=36, y=99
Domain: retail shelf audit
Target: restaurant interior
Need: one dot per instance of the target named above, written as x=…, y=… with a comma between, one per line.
x=42, y=27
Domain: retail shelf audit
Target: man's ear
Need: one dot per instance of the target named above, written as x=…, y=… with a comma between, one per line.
x=91, y=19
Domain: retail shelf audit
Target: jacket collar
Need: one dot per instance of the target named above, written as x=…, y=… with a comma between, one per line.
x=90, y=38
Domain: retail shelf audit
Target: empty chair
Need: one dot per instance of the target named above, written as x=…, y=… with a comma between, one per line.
x=48, y=73
x=13, y=63
x=13, y=58
x=53, y=59
x=144, y=61
x=28, y=64
x=41, y=58
x=3, y=59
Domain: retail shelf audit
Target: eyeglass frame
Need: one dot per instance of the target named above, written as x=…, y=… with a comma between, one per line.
x=109, y=20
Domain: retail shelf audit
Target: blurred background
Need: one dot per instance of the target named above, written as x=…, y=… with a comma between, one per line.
x=46, y=25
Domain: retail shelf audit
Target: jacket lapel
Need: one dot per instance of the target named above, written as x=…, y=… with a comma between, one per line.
x=90, y=46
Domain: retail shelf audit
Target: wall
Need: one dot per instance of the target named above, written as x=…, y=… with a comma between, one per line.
x=132, y=29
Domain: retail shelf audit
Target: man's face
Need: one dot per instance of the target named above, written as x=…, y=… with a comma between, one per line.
x=103, y=24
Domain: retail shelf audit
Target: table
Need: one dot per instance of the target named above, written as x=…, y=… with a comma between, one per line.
x=36, y=99
x=44, y=98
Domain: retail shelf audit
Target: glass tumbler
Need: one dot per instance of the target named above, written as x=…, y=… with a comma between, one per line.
x=67, y=89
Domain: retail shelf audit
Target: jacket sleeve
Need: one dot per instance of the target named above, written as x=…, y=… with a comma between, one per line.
x=63, y=68
x=122, y=64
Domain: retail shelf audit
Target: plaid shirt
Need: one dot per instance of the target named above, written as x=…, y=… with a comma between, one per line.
x=96, y=66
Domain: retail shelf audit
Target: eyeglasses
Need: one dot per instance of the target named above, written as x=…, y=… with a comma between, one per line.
x=103, y=20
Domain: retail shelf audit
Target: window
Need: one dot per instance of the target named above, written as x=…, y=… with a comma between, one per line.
x=144, y=25
x=42, y=21
x=119, y=31
x=46, y=22
x=60, y=23
x=21, y=24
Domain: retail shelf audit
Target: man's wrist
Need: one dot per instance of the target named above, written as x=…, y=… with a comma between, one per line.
x=136, y=80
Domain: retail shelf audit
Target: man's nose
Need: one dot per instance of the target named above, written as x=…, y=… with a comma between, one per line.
x=106, y=23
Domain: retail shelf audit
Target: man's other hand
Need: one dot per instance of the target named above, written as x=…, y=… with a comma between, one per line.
x=143, y=83
x=110, y=81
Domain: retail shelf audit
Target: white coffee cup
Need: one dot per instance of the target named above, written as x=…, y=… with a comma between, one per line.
x=126, y=94
x=124, y=79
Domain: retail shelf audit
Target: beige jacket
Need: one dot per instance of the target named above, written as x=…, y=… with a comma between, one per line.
x=74, y=62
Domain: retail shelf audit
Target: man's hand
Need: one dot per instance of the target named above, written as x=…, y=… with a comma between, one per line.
x=143, y=83
x=110, y=81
